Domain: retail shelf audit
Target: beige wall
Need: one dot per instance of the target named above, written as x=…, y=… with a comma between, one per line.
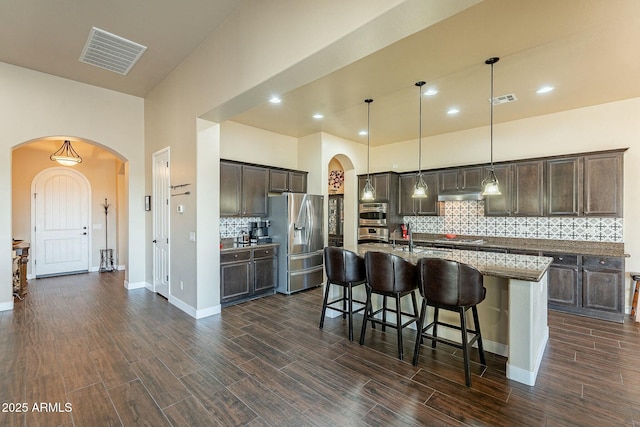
x=101, y=169
x=36, y=105
x=248, y=144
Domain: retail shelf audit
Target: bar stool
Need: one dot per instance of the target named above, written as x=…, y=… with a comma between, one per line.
x=390, y=276
x=634, y=305
x=452, y=286
x=344, y=268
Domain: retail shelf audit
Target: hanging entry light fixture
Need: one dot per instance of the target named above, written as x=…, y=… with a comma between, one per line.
x=420, y=189
x=66, y=155
x=490, y=184
x=368, y=193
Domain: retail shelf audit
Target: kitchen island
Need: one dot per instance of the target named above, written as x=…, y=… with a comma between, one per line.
x=524, y=308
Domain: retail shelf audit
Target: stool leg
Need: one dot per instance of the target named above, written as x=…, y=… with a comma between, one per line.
x=384, y=312
x=465, y=347
x=350, y=294
x=634, y=305
x=416, y=351
x=344, y=303
x=399, y=327
x=324, y=304
x=367, y=315
x=436, y=311
x=415, y=307
x=474, y=310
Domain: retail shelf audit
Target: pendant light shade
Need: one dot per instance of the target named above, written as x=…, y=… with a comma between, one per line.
x=420, y=189
x=66, y=155
x=368, y=193
x=491, y=185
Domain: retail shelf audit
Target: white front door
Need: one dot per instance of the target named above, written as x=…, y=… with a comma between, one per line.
x=61, y=222
x=161, y=210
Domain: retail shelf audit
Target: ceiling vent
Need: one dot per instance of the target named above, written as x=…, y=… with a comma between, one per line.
x=503, y=99
x=111, y=52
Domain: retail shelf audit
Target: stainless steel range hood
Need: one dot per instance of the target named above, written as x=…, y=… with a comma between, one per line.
x=460, y=195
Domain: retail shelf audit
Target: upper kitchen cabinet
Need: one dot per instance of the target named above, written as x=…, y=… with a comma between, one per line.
x=589, y=185
x=603, y=184
x=284, y=180
x=407, y=205
x=385, y=185
x=461, y=179
x=563, y=186
x=243, y=189
x=521, y=185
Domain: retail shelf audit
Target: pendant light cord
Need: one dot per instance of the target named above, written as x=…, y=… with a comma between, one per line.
x=419, y=84
x=368, y=101
x=491, y=115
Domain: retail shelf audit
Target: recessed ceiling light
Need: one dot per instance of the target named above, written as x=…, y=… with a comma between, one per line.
x=275, y=100
x=430, y=92
x=362, y=133
x=545, y=89
x=318, y=116
x=453, y=111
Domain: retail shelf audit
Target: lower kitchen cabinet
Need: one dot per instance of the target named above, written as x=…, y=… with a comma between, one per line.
x=248, y=273
x=587, y=285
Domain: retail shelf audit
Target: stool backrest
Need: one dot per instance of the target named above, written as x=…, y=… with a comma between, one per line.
x=451, y=283
x=390, y=273
x=343, y=266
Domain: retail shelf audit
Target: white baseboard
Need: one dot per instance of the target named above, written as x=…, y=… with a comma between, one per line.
x=120, y=267
x=6, y=306
x=196, y=314
x=135, y=285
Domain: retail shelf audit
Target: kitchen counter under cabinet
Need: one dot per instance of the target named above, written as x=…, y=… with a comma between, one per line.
x=247, y=272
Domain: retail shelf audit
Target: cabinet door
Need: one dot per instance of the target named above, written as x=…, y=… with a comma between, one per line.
x=528, y=188
x=471, y=178
x=500, y=205
x=603, y=185
x=297, y=182
x=235, y=281
x=602, y=283
x=230, y=188
x=255, y=182
x=563, y=186
x=278, y=181
x=381, y=184
x=265, y=273
x=449, y=180
x=429, y=206
x=406, y=204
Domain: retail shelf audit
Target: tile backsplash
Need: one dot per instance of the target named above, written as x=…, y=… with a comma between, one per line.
x=467, y=218
x=232, y=227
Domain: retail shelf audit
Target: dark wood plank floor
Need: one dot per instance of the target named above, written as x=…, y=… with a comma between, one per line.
x=83, y=351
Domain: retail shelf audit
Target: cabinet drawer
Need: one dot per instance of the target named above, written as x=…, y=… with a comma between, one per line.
x=235, y=257
x=563, y=259
x=265, y=252
x=603, y=263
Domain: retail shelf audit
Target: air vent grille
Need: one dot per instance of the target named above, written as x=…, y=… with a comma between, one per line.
x=503, y=99
x=111, y=52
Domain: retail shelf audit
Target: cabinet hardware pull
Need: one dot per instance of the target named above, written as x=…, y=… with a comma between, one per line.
x=601, y=262
x=560, y=259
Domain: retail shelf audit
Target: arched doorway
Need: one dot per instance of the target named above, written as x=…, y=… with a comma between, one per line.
x=61, y=214
x=349, y=191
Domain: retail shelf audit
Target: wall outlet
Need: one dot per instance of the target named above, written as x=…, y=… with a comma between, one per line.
x=181, y=285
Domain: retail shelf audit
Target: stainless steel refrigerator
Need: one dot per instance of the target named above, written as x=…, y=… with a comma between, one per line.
x=297, y=224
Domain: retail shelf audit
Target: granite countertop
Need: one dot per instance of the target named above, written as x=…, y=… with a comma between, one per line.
x=510, y=266
x=231, y=246
x=526, y=244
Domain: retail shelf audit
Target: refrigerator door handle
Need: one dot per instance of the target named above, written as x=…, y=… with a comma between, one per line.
x=309, y=221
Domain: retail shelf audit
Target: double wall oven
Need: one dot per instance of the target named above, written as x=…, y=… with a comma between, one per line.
x=373, y=222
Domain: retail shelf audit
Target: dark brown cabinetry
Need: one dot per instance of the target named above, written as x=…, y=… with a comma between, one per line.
x=603, y=185
x=521, y=185
x=462, y=179
x=407, y=205
x=283, y=180
x=248, y=273
x=587, y=285
x=230, y=189
x=384, y=184
x=243, y=190
x=563, y=186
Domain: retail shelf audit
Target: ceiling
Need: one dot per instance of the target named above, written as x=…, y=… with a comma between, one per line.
x=587, y=49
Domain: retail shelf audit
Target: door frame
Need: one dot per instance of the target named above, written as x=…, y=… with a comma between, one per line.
x=33, y=247
x=154, y=195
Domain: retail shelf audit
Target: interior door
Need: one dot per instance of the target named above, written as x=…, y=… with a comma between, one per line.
x=161, y=210
x=61, y=222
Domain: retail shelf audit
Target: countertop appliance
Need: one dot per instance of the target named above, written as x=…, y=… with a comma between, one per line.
x=297, y=225
x=259, y=231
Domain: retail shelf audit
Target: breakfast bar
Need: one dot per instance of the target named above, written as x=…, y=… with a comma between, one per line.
x=526, y=299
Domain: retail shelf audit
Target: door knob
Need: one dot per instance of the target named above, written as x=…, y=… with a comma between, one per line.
x=154, y=240
x=84, y=234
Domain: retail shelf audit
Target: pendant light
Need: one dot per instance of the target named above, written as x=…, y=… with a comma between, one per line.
x=66, y=155
x=420, y=189
x=490, y=183
x=368, y=193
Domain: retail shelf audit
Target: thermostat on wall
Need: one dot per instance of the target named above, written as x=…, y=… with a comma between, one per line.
x=180, y=208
